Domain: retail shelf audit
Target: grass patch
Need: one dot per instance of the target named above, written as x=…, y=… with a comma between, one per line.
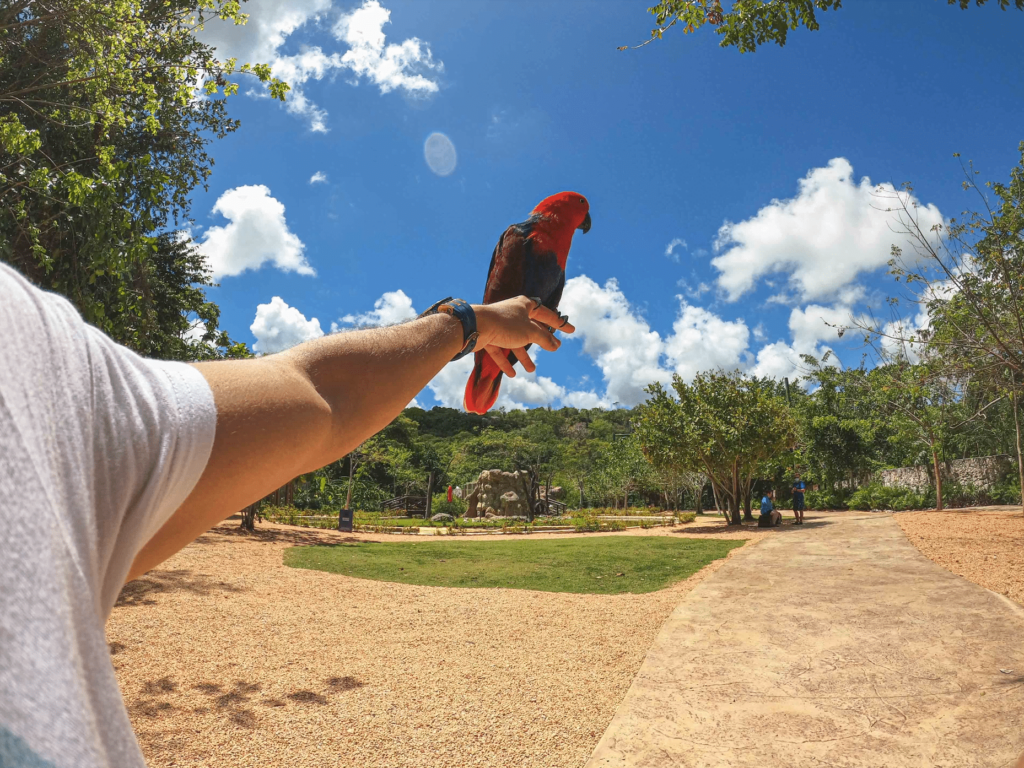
x=582, y=565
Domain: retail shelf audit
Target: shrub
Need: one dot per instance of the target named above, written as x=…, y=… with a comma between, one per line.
x=441, y=505
x=586, y=523
x=1007, y=491
x=687, y=517
x=826, y=499
x=878, y=496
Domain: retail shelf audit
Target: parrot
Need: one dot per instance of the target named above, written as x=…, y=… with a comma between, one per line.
x=529, y=260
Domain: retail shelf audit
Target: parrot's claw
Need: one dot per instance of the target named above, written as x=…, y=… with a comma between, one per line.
x=537, y=302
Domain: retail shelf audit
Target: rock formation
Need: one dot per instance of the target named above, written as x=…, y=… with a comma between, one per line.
x=498, y=493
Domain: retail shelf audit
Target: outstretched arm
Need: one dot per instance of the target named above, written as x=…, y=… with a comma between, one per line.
x=287, y=414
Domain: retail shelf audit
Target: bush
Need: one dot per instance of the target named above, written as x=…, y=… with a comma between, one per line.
x=878, y=496
x=441, y=505
x=1007, y=491
x=826, y=499
x=687, y=517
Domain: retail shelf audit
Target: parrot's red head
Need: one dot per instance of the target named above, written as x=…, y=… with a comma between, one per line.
x=569, y=209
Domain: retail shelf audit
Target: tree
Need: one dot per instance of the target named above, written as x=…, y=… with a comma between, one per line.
x=750, y=23
x=967, y=279
x=841, y=426
x=625, y=469
x=723, y=425
x=102, y=139
x=581, y=455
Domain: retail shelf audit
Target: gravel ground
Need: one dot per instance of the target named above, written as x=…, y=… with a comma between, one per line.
x=227, y=658
x=984, y=545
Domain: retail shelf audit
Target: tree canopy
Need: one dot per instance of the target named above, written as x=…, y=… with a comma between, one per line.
x=106, y=112
x=750, y=23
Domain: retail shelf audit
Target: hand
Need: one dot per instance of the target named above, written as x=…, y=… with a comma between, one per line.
x=514, y=323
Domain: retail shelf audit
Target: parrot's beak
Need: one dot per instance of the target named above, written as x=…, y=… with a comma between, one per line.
x=585, y=226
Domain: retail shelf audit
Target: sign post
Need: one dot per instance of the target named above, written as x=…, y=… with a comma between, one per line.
x=345, y=520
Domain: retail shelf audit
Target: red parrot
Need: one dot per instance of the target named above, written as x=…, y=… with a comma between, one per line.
x=529, y=260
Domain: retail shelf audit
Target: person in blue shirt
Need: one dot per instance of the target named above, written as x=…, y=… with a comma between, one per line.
x=768, y=510
x=798, y=499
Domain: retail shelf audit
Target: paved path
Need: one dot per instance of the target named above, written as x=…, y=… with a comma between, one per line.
x=836, y=644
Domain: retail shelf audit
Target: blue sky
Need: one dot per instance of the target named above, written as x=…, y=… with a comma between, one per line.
x=678, y=142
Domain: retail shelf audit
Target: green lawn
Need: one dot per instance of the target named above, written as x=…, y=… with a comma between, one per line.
x=583, y=565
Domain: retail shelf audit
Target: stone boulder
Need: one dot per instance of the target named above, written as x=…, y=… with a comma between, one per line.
x=492, y=491
x=473, y=500
x=441, y=517
x=510, y=504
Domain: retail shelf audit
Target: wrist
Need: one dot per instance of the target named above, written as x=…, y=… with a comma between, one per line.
x=463, y=316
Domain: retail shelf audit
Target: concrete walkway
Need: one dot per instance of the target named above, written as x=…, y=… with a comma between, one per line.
x=835, y=644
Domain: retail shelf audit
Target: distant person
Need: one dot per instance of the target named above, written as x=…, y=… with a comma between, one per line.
x=770, y=516
x=798, y=499
x=111, y=463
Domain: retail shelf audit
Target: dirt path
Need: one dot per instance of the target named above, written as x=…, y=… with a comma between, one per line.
x=227, y=658
x=846, y=648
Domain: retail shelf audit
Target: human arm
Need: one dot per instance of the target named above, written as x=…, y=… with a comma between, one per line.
x=283, y=415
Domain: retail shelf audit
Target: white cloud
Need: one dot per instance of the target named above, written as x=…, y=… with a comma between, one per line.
x=272, y=22
x=195, y=333
x=670, y=249
x=318, y=178
x=449, y=385
x=620, y=342
x=702, y=341
x=581, y=399
x=760, y=332
x=391, y=308
x=826, y=236
x=257, y=233
x=529, y=388
x=278, y=327
x=631, y=355
x=777, y=361
x=388, y=66
x=808, y=327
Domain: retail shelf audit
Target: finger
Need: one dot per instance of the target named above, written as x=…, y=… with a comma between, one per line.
x=551, y=318
x=524, y=357
x=566, y=325
x=499, y=356
x=544, y=338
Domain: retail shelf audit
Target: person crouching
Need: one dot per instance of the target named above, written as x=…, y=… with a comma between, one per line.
x=770, y=516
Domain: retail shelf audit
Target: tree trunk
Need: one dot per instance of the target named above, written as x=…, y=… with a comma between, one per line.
x=734, y=502
x=734, y=511
x=1020, y=464
x=747, y=515
x=938, y=481
x=700, y=501
x=249, y=517
x=430, y=496
x=351, y=472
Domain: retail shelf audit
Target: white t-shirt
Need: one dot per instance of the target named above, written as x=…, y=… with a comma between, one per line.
x=98, y=447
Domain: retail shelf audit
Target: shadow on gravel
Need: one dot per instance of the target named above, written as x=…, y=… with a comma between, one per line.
x=143, y=590
x=298, y=536
x=718, y=527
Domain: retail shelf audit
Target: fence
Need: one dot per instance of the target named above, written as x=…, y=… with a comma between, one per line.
x=407, y=504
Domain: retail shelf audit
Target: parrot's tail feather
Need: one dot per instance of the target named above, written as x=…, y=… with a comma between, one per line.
x=483, y=385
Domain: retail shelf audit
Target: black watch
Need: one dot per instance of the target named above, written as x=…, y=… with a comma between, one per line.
x=459, y=309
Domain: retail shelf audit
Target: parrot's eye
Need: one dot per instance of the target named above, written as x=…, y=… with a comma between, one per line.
x=582, y=200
